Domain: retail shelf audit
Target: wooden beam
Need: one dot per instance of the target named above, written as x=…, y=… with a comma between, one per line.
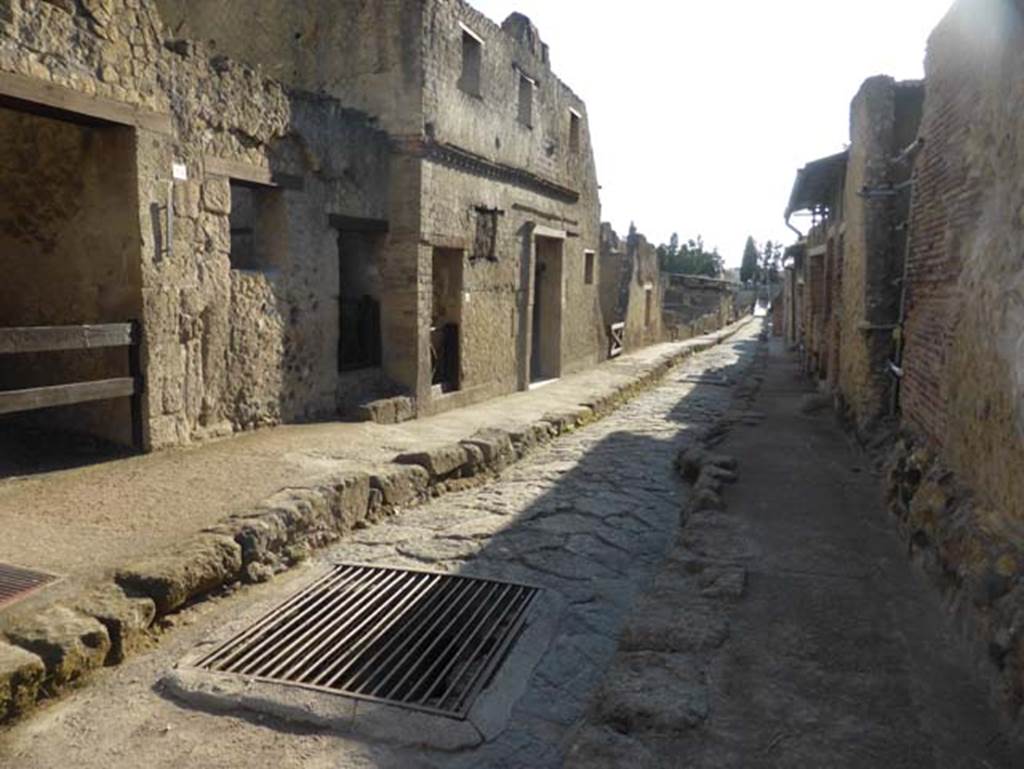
x=357, y=224
x=50, y=338
x=12, y=401
x=29, y=93
x=252, y=174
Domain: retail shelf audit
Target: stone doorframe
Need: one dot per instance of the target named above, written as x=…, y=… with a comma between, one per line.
x=532, y=232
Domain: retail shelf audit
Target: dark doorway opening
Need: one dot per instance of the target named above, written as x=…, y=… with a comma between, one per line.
x=546, y=345
x=446, y=320
x=359, y=325
x=70, y=293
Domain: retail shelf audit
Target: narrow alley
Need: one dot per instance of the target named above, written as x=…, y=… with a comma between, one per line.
x=786, y=630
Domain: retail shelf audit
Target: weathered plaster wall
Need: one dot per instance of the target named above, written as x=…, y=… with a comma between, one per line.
x=629, y=268
x=366, y=54
x=964, y=387
x=223, y=349
x=884, y=119
x=695, y=305
x=401, y=62
x=559, y=193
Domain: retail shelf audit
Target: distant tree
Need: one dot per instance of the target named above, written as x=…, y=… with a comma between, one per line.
x=749, y=265
x=771, y=261
x=689, y=258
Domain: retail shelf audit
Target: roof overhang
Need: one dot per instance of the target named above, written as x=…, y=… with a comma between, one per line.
x=817, y=183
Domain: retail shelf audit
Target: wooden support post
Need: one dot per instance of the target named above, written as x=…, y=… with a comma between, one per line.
x=135, y=370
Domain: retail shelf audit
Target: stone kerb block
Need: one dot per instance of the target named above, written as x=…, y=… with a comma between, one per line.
x=69, y=643
x=196, y=567
x=401, y=484
x=21, y=675
x=439, y=462
x=126, y=618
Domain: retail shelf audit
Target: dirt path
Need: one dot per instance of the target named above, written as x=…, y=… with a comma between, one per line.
x=790, y=630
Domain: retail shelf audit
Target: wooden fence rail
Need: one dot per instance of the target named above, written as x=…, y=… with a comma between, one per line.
x=36, y=339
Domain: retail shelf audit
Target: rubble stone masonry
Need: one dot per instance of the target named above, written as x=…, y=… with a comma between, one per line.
x=490, y=166
x=224, y=348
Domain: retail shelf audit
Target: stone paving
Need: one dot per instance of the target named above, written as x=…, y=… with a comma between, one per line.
x=591, y=516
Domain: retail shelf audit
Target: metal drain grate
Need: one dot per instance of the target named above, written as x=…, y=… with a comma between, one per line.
x=16, y=582
x=415, y=639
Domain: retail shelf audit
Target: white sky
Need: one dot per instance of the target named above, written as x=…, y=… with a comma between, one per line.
x=701, y=111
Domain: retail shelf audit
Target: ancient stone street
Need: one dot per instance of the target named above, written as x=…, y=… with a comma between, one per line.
x=734, y=641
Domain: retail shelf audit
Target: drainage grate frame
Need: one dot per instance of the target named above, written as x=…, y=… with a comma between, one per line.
x=415, y=639
x=17, y=582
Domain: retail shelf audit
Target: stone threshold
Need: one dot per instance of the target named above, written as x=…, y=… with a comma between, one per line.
x=55, y=647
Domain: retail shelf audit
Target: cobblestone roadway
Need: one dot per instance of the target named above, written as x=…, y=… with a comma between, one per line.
x=591, y=515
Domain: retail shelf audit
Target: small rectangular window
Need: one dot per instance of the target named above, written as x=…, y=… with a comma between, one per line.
x=486, y=237
x=588, y=267
x=648, y=306
x=574, y=131
x=472, y=59
x=525, y=100
x=255, y=214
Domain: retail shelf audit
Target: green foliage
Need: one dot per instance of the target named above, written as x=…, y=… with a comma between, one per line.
x=689, y=258
x=749, y=269
x=771, y=263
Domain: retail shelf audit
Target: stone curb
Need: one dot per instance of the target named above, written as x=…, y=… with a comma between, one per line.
x=46, y=653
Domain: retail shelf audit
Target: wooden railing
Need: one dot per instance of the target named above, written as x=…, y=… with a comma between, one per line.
x=37, y=339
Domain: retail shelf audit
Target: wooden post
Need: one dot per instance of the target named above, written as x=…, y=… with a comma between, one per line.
x=135, y=371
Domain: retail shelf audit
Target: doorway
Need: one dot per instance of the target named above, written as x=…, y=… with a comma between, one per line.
x=446, y=320
x=359, y=324
x=546, y=346
x=71, y=264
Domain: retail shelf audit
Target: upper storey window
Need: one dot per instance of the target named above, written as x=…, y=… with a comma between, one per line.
x=526, y=85
x=472, y=61
x=574, y=131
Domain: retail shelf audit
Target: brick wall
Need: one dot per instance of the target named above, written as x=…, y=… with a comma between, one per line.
x=964, y=331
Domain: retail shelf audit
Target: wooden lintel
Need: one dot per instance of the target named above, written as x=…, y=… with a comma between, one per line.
x=12, y=401
x=38, y=96
x=251, y=174
x=51, y=338
x=357, y=224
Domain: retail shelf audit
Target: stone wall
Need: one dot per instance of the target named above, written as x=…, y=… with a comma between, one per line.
x=224, y=348
x=884, y=120
x=466, y=174
x=366, y=54
x=629, y=273
x=694, y=305
x=955, y=481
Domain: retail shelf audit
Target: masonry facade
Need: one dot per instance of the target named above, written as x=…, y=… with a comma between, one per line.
x=301, y=207
x=931, y=285
x=842, y=288
x=492, y=173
